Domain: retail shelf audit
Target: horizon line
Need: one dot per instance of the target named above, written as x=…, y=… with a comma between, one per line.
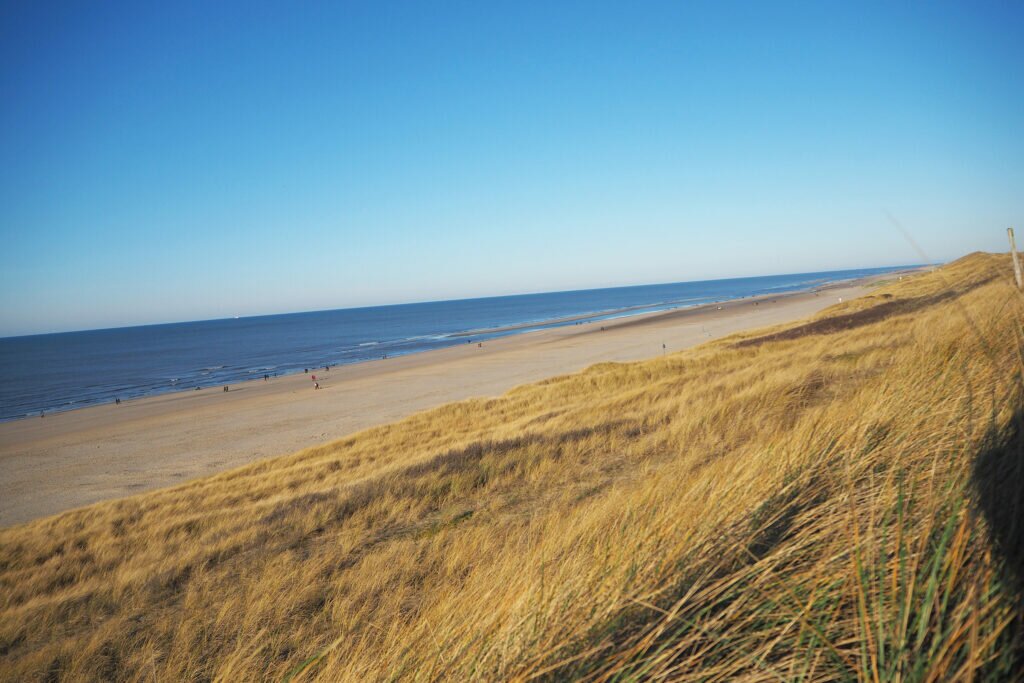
x=436, y=301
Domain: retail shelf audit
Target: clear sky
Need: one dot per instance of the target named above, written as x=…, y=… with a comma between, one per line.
x=168, y=161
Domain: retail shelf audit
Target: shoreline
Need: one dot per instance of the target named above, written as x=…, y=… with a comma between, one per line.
x=76, y=457
x=491, y=335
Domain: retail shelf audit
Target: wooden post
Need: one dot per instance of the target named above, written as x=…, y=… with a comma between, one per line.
x=1016, y=261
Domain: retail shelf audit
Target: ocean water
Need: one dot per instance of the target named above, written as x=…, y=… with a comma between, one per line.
x=53, y=372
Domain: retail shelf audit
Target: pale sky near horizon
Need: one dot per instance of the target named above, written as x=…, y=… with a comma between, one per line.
x=181, y=161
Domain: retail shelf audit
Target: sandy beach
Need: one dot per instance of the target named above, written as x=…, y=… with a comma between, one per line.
x=67, y=460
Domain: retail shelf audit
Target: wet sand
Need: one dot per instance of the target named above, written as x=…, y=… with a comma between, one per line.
x=67, y=460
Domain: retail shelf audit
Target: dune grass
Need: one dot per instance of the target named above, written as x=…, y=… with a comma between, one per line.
x=838, y=499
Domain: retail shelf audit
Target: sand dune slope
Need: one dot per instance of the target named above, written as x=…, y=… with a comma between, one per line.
x=831, y=499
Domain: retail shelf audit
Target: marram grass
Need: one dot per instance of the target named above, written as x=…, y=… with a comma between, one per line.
x=838, y=499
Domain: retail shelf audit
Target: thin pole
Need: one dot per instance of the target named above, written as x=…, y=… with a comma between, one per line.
x=1016, y=260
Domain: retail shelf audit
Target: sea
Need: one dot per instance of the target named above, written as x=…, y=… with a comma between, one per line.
x=55, y=372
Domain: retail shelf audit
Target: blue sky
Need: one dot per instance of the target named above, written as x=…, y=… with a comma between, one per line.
x=178, y=161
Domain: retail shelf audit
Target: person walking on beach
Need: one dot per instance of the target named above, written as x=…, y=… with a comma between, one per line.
x=316, y=385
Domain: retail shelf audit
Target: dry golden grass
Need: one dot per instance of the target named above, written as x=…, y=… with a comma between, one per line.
x=837, y=501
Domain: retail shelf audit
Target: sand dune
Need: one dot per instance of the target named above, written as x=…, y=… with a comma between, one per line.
x=71, y=459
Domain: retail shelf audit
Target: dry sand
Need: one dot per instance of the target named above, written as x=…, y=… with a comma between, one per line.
x=71, y=459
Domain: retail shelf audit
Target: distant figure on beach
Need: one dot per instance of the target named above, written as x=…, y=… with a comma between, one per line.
x=306, y=371
x=480, y=345
x=316, y=385
x=313, y=378
x=266, y=378
x=225, y=387
x=327, y=367
x=117, y=401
